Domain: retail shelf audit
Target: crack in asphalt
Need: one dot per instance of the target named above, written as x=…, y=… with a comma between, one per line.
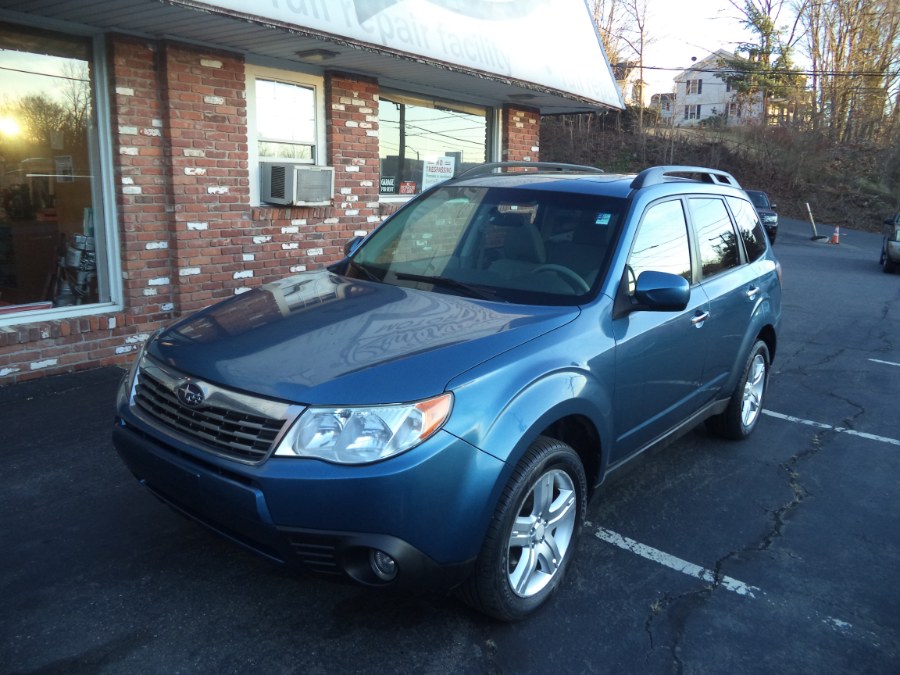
x=681, y=606
x=678, y=608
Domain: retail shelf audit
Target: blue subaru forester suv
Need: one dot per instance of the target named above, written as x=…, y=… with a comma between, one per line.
x=434, y=410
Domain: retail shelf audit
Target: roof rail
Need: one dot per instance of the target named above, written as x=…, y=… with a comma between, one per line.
x=497, y=167
x=658, y=174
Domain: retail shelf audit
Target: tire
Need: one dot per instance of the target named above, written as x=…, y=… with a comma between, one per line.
x=745, y=406
x=888, y=265
x=531, y=538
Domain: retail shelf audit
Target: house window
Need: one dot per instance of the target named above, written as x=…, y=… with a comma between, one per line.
x=285, y=114
x=422, y=142
x=693, y=86
x=734, y=109
x=53, y=241
x=692, y=112
x=285, y=120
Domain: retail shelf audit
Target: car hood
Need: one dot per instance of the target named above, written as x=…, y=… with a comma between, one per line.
x=319, y=338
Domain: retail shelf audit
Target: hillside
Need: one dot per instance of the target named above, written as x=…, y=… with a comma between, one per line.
x=854, y=185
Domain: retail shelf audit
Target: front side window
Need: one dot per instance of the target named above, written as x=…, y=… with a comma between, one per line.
x=52, y=243
x=422, y=142
x=661, y=244
x=716, y=238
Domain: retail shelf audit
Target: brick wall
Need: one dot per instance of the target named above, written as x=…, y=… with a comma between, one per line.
x=521, y=134
x=188, y=236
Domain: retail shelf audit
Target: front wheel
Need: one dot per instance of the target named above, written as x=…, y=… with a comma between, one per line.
x=531, y=538
x=745, y=407
x=888, y=265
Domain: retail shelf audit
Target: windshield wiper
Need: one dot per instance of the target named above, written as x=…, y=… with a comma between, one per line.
x=447, y=282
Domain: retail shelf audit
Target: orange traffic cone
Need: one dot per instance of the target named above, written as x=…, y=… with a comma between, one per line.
x=836, y=237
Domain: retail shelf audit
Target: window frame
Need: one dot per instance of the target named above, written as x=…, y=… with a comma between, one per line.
x=254, y=71
x=103, y=187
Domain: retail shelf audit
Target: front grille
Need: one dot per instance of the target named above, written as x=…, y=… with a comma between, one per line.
x=234, y=433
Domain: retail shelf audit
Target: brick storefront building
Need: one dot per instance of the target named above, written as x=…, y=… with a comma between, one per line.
x=154, y=207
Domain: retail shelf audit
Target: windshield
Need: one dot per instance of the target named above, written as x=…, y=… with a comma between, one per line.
x=760, y=199
x=508, y=244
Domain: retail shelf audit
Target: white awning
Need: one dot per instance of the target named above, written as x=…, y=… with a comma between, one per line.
x=549, y=44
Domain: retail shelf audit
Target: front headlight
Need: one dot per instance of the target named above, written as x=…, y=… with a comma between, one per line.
x=771, y=219
x=365, y=434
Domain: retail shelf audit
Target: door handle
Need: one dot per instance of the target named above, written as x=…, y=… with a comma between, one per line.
x=698, y=319
x=752, y=292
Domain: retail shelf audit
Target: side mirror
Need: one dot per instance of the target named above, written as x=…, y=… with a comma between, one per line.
x=351, y=245
x=662, y=292
x=774, y=206
x=889, y=221
x=653, y=292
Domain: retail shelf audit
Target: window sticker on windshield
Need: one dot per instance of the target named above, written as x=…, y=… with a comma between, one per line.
x=603, y=219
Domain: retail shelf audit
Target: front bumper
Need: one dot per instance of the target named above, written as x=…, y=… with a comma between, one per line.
x=428, y=509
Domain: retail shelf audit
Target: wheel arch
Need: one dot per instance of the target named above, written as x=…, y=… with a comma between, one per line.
x=581, y=434
x=768, y=335
x=568, y=405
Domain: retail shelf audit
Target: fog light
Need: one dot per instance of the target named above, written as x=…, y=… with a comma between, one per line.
x=384, y=566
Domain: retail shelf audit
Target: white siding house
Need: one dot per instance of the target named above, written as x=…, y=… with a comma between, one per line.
x=702, y=93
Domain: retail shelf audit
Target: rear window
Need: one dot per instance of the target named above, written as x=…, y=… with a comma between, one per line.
x=752, y=232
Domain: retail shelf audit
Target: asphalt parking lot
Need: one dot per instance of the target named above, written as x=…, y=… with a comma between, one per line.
x=779, y=554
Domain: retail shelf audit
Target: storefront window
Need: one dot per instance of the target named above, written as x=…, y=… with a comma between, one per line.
x=422, y=142
x=49, y=248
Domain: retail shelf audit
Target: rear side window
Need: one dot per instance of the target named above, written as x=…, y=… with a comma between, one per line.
x=752, y=232
x=716, y=238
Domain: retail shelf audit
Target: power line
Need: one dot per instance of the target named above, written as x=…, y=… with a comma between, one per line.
x=782, y=71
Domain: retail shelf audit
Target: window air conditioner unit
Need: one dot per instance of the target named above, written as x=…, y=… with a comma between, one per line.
x=297, y=184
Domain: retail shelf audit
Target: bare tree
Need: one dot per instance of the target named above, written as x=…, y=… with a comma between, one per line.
x=854, y=48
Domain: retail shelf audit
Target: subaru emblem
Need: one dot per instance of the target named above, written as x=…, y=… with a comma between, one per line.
x=190, y=394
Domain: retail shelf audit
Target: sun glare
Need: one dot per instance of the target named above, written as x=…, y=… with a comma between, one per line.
x=9, y=127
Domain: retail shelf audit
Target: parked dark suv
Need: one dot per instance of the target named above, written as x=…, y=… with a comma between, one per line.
x=766, y=211
x=890, y=245
x=435, y=409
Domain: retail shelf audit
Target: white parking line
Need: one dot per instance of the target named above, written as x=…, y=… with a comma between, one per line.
x=674, y=563
x=840, y=430
x=887, y=363
x=685, y=567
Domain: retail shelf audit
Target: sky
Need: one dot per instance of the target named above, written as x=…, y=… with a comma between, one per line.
x=680, y=31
